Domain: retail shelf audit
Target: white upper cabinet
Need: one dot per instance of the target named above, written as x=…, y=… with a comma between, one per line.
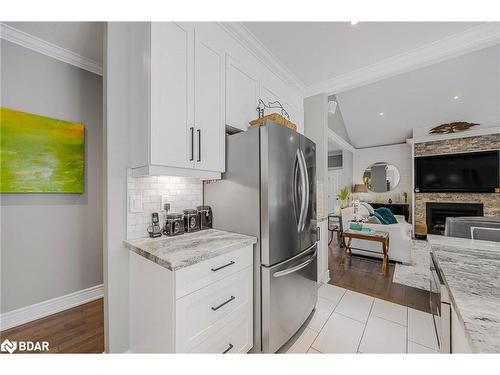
x=242, y=94
x=172, y=117
x=187, y=82
x=209, y=106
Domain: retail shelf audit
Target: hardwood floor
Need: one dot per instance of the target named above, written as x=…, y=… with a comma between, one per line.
x=77, y=330
x=362, y=274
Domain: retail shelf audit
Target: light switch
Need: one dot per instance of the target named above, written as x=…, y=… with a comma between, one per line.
x=135, y=204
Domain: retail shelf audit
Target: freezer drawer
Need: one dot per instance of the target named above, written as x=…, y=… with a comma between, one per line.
x=289, y=294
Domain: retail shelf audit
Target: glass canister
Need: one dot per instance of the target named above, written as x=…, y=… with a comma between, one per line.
x=174, y=224
x=205, y=213
x=191, y=221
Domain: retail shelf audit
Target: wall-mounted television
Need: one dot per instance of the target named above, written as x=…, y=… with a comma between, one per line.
x=467, y=172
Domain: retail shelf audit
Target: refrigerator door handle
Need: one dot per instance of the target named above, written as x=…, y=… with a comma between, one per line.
x=297, y=267
x=305, y=191
x=296, y=198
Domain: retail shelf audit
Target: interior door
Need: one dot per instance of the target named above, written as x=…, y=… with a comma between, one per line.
x=308, y=233
x=172, y=58
x=280, y=196
x=334, y=186
x=209, y=106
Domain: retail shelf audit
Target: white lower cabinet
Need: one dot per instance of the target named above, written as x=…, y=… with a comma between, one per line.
x=203, y=308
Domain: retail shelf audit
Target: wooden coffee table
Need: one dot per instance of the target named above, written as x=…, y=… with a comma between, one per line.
x=375, y=236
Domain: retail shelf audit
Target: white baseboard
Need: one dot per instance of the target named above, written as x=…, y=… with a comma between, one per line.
x=42, y=309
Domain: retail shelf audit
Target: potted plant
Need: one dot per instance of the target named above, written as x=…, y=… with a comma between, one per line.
x=344, y=196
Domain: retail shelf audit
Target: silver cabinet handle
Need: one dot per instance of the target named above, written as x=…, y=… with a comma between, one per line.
x=191, y=129
x=318, y=231
x=296, y=268
x=228, y=348
x=224, y=266
x=223, y=303
x=199, y=144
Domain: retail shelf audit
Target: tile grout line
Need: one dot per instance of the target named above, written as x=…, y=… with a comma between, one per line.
x=340, y=299
x=425, y=346
x=391, y=321
x=364, y=328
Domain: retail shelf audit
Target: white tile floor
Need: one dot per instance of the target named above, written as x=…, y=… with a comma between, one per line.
x=350, y=322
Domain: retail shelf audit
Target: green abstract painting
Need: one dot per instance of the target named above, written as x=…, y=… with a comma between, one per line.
x=40, y=154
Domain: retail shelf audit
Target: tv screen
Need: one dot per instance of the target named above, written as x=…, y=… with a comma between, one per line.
x=470, y=172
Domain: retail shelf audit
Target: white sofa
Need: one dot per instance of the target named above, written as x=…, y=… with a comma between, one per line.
x=399, y=237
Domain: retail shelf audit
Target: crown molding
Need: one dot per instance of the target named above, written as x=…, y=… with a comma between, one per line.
x=250, y=42
x=36, y=44
x=452, y=46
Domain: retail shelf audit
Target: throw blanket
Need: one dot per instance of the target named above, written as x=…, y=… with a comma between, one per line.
x=387, y=215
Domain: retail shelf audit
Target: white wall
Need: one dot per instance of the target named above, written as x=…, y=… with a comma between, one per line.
x=315, y=128
x=399, y=155
x=117, y=123
x=347, y=169
x=52, y=243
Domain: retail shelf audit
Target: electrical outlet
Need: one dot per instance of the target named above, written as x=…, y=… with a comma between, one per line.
x=135, y=203
x=164, y=201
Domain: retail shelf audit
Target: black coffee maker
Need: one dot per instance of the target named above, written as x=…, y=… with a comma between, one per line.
x=205, y=213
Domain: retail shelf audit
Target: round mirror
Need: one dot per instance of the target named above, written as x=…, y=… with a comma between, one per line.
x=381, y=177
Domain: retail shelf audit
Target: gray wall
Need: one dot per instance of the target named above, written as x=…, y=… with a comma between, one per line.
x=336, y=122
x=52, y=243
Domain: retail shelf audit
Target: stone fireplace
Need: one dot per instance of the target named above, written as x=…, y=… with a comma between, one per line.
x=490, y=202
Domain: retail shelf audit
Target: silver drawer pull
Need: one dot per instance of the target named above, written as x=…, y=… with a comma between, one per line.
x=223, y=303
x=228, y=348
x=224, y=266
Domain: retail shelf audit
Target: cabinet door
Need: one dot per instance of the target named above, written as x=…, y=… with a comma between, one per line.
x=172, y=85
x=209, y=106
x=242, y=94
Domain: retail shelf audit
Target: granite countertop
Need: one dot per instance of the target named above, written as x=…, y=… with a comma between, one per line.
x=187, y=249
x=471, y=269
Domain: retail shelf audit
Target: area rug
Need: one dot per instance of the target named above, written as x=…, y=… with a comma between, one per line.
x=416, y=274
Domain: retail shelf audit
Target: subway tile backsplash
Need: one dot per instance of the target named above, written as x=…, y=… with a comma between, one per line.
x=180, y=192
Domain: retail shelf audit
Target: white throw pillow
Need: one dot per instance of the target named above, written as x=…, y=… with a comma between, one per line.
x=368, y=207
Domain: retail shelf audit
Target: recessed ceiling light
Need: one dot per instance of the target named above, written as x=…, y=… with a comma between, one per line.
x=354, y=22
x=456, y=97
x=381, y=114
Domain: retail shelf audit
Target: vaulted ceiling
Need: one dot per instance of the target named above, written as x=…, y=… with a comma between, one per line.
x=465, y=88
x=458, y=87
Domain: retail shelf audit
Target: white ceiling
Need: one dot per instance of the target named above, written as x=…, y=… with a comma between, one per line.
x=83, y=38
x=318, y=51
x=424, y=98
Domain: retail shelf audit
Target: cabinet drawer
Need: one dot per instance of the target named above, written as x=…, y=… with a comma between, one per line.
x=190, y=279
x=205, y=312
x=235, y=337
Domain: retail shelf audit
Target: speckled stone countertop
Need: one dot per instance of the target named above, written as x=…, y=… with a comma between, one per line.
x=187, y=249
x=471, y=270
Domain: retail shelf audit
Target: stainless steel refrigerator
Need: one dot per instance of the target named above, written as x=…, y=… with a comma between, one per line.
x=269, y=191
